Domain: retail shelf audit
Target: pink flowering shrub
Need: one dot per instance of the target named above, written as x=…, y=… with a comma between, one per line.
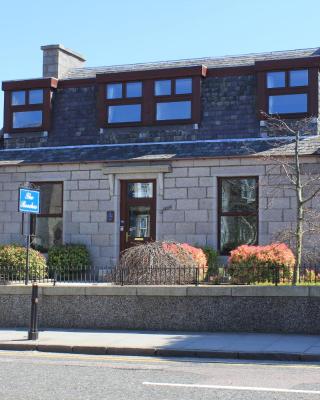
x=155, y=263
x=250, y=264
x=185, y=253
x=196, y=254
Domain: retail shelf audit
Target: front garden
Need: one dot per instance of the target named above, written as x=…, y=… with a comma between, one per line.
x=159, y=263
x=179, y=263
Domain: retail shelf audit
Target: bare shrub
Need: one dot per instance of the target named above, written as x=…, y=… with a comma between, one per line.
x=151, y=264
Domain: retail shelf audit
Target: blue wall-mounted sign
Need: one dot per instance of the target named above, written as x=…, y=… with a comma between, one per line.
x=110, y=216
x=29, y=200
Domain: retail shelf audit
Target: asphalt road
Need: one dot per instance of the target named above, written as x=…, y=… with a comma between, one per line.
x=28, y=375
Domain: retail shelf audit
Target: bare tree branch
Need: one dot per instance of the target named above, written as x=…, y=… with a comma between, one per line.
x=306, y=185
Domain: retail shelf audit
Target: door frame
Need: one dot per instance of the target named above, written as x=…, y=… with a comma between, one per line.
x=125, y=202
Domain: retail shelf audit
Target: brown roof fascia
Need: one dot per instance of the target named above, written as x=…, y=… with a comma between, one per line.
x=304, y=62
x=200, y=70
x=30, y=84
x=71, y=83
x=231, y=71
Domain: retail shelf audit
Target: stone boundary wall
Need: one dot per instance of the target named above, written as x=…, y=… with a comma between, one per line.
x=187, y=308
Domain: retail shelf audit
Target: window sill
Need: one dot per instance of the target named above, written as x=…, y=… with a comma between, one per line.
x=287, y=116
x=122, y=124
x=23, y=130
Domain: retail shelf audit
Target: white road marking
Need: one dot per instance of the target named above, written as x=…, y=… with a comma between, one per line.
x=238, y=388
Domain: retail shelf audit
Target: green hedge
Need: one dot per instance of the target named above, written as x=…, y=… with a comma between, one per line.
x=68, y=259
x=212, y=259
x=13, y=262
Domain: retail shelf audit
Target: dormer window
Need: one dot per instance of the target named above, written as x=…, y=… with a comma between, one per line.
x=283, y=97
x=153, y=97
x=24, y=116
x=36, y=96
x=28, y=105
x=281, y=79
x=123, y=102
x=179, y=92
x=289, y=93
x=18, y=98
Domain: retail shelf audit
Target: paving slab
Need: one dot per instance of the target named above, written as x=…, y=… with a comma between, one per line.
x=313, y=350
x=185, y=344
x=294, y=343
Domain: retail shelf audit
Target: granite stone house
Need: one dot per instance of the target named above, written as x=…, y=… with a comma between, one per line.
x=165, y=150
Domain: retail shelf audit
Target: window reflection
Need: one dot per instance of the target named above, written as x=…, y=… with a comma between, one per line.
x=27, y=119
x=299, y=77
x=134, y=89
x=48, y=225
x=51, y=198
x=48, y=232
x=238, y=218
x=237, y=230
x=139, y=221
x=173, y=110
x=163, y=88
x=124, y=113
x=140, y=190
x=18, y=98
x=238, y=194
x=114, y=91
x=184, y=86
x=276, y=79
x=36, y=96
x=288, y=103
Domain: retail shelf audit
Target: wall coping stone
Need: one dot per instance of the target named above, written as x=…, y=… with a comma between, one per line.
x=15, y=289
x=162, y=291
x=209, y=291
x=189, y=291
x=267, y=291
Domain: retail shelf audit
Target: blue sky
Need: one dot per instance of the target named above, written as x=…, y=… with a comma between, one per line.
x=110, y=32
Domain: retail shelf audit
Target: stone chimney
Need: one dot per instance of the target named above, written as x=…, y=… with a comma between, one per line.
x=57, y=60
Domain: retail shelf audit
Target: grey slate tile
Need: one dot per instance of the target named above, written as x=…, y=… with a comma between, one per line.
x=157, y=151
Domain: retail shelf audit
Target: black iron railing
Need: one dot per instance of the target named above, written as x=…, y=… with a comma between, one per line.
x=160, y=276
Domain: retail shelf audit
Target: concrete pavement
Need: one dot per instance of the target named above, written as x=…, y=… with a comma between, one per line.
x=256, y=346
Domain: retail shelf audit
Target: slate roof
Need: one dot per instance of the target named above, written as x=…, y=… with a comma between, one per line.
x=158, y=151
x=211, y=62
